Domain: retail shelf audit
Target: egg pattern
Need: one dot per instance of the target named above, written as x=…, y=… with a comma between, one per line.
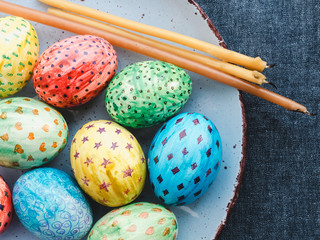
x=184, y=158
x=50, y=204
x=143, y=221
x=18, y=54
x=108, y=163
x=6, y=209
x=75, y=70
x=31, y=133
x=147, y=93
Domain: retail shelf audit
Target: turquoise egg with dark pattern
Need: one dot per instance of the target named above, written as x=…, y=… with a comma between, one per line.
x=49, y=203
x=147, y=93
x=184, y=158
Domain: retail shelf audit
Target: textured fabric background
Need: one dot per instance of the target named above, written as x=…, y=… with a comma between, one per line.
x=280, y=192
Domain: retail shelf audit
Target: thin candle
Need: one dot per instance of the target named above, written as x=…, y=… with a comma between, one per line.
x=252, y=76
x=160, y=54
x=214, y=50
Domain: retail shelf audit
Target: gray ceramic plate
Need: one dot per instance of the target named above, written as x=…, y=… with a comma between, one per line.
x=204, y=218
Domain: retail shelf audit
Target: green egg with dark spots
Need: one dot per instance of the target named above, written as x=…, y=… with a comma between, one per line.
x=147, y=93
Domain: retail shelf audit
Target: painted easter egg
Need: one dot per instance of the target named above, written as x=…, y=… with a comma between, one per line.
x=75, y=70
x=31, y=133
x=6, y=209
x=18, y=54
x=108, y=163
x=50, y=204
x=143, y=221
x=184, y=158
x=147, y=93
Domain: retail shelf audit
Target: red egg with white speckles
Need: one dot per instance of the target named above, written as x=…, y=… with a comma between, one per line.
x=74, y=71
x=5, y=205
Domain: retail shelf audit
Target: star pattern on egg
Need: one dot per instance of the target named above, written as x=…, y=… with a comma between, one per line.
x=118, y=131
x=101, y=130
x=89, y=126
x=129, y=146
x=127, y=172
x=106, y=162
x=85, y=180
x=88, y=161
x=85, y=139
x=97, y=145
x=114, y=145
x=101, y=146
x=105, y=186
x=76, y=155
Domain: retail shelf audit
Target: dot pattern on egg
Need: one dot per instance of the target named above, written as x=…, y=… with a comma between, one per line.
x=31, y=133
x=18, y=54
x=136, y=221
x=6, y=208
x=147, y=93
x=108, y=163
x=184, y=158
x=74, y=70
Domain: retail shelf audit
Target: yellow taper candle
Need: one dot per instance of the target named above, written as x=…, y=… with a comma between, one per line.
x=243, y=73
x=214, y=50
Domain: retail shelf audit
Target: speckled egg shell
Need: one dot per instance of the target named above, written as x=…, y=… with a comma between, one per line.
x=108, y=163
x=49, y=203
x=147, y=93
x=6, y=209
x=18, y=54
x=74, y=70
x=184, y=158
x=31, y=133
x=143, y=221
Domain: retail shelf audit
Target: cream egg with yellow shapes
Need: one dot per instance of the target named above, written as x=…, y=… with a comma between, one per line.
x=108, y=163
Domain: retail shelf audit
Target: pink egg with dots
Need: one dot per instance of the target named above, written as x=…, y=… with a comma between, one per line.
x=75, y=70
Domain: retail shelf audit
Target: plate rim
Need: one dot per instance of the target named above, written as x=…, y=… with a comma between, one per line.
x=239, y=178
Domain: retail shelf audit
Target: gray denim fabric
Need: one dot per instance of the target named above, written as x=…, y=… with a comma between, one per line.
x=280, y=193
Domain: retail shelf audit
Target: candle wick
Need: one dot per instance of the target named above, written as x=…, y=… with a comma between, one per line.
x=271, y=65
x=305, y=112
x=271, y=83
x=311, y=114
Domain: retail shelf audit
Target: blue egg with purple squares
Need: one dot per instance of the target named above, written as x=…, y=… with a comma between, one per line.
x=49, y=203
x=184, y=158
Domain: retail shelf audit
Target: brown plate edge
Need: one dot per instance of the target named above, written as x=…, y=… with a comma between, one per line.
x=244, y=124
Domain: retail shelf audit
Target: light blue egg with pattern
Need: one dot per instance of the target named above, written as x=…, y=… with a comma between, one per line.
x=49, y=203
x=184, y=158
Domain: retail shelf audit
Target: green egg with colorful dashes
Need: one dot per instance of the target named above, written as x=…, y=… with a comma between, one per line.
x=147, y=93
x=18, y=54
x=142, y=220
x=31, y=133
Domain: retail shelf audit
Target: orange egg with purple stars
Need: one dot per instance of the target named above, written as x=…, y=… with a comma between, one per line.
x=108, y=163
